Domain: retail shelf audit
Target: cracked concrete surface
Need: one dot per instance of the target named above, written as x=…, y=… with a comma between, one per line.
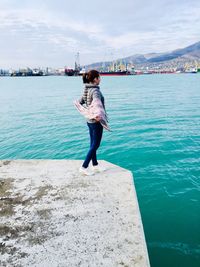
x=53, y=216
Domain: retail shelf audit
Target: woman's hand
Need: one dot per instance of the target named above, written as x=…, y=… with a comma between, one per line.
x=97, y=118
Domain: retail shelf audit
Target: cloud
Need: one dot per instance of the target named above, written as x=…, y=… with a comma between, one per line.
x=31, y=29
x=54, y=31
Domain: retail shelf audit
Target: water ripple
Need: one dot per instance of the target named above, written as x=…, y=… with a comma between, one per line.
x=156, y=135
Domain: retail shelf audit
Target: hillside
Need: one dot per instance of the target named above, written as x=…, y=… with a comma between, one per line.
x=178, y=57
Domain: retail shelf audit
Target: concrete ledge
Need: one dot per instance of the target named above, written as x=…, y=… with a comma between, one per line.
x=52, y=216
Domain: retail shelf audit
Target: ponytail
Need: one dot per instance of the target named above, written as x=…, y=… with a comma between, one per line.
x=85, y=77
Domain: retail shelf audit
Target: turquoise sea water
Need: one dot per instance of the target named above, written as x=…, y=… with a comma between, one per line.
x=156, y=134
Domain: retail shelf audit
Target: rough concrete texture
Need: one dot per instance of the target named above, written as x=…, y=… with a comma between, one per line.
x=53, y=216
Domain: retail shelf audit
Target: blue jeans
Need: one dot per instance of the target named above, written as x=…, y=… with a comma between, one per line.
x=96, y=131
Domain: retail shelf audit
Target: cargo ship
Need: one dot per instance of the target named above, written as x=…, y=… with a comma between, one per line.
x=117, y=69
x=115, y=73
x=72, y=72
x=69, y=72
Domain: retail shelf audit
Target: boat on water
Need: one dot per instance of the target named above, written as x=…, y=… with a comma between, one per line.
x=71, y=72
x=27, y=72
x=191, y=70
x=117, y=69
x=37, y=72
x=115, y=73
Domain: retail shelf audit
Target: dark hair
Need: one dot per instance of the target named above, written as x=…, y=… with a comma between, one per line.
x=89, y=77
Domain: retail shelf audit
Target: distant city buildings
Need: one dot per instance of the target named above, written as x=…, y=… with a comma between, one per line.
x=116, y=67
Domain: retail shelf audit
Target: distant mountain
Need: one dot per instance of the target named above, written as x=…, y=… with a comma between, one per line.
x=188, y=53
x=191, y=52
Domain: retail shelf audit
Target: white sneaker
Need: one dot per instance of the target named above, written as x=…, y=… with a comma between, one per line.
x=98, y=168
x=85, y=171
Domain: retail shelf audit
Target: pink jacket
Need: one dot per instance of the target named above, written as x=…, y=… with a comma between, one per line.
x=94, y=111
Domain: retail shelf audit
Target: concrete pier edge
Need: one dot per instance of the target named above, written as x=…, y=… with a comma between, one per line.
x=51, y=215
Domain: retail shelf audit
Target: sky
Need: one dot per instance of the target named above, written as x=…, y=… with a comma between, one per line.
x=50, y=33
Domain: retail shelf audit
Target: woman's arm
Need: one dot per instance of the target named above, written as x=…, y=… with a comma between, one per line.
x=96, y=94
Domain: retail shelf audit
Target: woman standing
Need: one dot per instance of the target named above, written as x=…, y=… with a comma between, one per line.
x=92, y=91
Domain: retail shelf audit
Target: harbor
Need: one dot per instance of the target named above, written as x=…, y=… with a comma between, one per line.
x=103, y=72
x=167, y=63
